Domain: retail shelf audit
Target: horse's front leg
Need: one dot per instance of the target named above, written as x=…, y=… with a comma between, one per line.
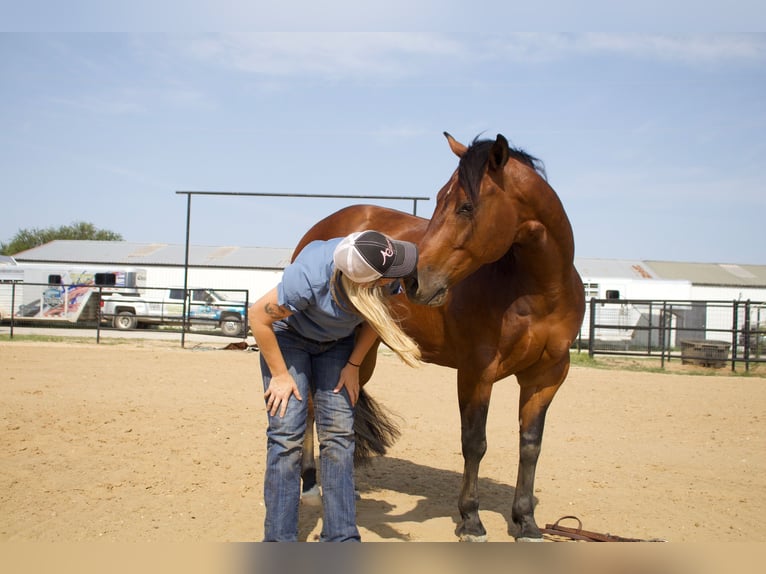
x=473, y=399
x=537, y=392
x=310, y=489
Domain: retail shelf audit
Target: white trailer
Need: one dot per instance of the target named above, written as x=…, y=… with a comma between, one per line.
x=61, y=293
x=625, y=319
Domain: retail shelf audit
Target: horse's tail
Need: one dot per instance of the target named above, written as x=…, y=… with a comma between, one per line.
x=374, y=428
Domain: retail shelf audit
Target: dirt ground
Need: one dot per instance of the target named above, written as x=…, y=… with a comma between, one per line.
x=149, y=442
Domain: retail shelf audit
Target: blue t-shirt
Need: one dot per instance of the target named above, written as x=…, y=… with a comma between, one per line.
x=305, y=290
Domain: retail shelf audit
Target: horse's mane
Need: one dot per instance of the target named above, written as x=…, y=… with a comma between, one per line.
x=474, y=160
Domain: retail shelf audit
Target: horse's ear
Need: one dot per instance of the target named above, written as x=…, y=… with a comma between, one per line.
x=499, y=153
x=457, y=148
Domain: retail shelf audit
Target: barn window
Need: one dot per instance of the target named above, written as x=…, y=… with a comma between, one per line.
x=54, y=280
x=612, y=294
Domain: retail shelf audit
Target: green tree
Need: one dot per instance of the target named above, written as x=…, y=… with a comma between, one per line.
x=29, y=238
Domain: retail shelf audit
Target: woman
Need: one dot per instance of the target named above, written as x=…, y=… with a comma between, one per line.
x=306, y=329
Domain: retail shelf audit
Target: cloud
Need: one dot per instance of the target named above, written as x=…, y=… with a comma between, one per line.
x=131, y=101
x=338, y=55
x=397, y=56
x=109, y=104
x=687, y=48
x=707, y=48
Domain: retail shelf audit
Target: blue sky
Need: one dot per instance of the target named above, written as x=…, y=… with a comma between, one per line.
x=654, y=142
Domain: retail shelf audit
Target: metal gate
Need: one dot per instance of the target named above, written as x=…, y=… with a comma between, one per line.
x=708, y=333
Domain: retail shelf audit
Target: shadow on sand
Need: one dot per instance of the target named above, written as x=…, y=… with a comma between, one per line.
x=436, y=491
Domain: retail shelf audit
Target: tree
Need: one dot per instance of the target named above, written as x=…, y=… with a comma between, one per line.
x=29, y=238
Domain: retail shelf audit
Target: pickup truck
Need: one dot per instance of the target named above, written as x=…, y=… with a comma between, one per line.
x=165, y=307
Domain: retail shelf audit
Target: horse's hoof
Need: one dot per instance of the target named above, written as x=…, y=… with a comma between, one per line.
x=473, y=538
x=529, y=539
x=312, y=496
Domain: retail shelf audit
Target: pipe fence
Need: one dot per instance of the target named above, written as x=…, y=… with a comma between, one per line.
x=209, y=311
x=707, y=333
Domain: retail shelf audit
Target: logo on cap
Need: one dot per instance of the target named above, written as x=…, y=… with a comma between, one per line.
x=386, y=253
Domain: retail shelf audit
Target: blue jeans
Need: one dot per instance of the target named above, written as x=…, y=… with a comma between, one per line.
x=316, y=369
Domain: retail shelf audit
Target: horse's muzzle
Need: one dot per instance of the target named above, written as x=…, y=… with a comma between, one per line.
x=411, y=286
x=417, y=294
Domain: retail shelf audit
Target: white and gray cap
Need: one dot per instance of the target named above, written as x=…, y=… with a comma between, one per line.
x=365, y=256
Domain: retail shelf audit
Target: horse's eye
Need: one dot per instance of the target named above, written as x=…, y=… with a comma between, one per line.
x=466, y=209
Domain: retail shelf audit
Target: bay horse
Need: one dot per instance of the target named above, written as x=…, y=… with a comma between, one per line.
x=495, y=294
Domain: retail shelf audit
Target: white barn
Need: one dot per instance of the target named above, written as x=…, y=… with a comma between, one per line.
x=257, y=269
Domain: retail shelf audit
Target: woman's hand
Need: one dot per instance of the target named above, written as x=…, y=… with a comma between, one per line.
x=278, y=394
x=349, y=378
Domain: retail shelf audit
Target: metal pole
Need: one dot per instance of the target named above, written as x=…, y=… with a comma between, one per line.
x=305, y=195
x=649, y=342
x=592, y=328
x=13, y=305
x=663, y=338
x=747, y=335
x=734, y=328
x=98, y=315
x=186, y=269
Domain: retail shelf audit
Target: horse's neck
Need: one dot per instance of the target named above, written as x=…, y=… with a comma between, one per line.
x=543, y=244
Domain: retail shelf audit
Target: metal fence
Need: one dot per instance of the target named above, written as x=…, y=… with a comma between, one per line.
x=707, y=333
x=202, y=310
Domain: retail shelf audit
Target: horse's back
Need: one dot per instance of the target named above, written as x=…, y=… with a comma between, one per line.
x=397, y=224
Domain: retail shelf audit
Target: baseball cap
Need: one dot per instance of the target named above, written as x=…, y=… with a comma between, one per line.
x=369, y=255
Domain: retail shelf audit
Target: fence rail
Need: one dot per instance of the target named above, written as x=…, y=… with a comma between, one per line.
x=208, y=310
x=708, y=333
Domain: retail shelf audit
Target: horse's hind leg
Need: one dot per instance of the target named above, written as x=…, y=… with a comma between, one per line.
x=382, y=432
x=310, y=489
x=474, y=404
x=537, y=392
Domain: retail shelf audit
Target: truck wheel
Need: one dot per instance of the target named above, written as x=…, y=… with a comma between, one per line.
x=125, y=321
x=231, y=327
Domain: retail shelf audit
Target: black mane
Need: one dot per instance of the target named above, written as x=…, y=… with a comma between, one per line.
x=474, y=162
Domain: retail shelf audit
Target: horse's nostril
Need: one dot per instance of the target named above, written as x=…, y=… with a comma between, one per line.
x=411, y=285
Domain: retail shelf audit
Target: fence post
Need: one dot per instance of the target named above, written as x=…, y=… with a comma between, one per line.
x=98, y=315
x=649, y=338
x=247, y=316
x=747, y=335
x=663, y=319
x=13, y=305
x=734, y=328
x=669, y=330
x=591, y=328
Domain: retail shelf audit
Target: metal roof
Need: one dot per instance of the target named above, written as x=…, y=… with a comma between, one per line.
x=155, y=254
x=614, y=268
x=717, y=274
x=709, y=274
x=163, y=254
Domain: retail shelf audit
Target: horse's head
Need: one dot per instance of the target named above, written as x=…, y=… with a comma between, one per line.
x=475, y=220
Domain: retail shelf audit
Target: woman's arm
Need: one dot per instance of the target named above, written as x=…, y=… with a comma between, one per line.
x=349, y=375
x=364, y=341
x=261, y=316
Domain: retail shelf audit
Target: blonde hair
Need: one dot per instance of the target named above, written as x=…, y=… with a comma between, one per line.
x=370, y=303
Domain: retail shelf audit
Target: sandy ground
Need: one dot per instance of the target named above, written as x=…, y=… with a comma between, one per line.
x=149, y=442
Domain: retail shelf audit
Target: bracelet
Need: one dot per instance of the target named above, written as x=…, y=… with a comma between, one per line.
x=354, y=364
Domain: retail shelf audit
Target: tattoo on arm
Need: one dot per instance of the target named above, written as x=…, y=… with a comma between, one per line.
x=275, y=311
